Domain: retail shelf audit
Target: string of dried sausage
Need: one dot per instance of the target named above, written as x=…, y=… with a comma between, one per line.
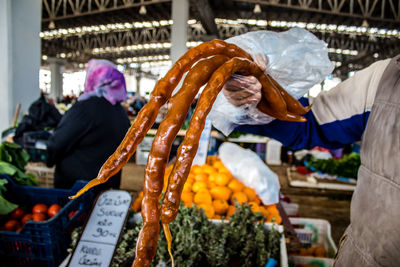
x=187, y=150
x=161, y=93
x=158, y=158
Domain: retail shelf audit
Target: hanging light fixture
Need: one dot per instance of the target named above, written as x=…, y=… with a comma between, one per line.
x=52, y=25
x=365, y=23
x=257, y=9
x=142, y=10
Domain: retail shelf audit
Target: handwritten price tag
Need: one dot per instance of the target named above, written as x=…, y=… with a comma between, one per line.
x=100, y=236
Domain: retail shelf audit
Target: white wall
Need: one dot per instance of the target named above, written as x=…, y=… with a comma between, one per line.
x=5, y=64
x=20, y=22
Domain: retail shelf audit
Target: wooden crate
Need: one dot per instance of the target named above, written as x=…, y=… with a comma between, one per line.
x=43, y=174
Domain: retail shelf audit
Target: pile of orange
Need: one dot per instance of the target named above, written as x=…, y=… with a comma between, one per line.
x=213, y=188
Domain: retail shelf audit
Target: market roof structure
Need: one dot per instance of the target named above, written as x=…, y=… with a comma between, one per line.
x=135, y=31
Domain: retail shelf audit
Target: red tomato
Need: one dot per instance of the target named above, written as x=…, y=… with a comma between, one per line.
x=71, y=214
x=11, y=225
x=39, y=217
x=27, y=217
x=39, y=208
x=17, y=213
x=53, y=210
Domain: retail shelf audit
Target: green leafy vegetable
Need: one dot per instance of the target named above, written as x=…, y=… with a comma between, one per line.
x=14, y=154
x=3, y=188
x=19, y=176
x=13, y=160
x=5, y=205
x=235, y=134
x=346, y=167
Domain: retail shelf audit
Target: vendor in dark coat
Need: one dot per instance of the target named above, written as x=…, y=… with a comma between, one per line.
x=92, y=129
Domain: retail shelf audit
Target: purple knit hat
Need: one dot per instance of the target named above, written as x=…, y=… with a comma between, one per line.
x=103, y=79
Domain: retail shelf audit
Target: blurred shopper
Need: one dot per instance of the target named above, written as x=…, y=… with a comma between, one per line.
x=139, y=103
x=42, y=115
x=92, y=129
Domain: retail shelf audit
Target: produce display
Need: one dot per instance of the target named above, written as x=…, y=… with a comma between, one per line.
x=346, y=167
x=212, y=187
x=215, y=71
x=13, y=160
x=317, y=251
x=242, y=241
x=5, y=206
x=18, y=217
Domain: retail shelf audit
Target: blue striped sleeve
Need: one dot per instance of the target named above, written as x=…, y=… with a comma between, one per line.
x=299, y=135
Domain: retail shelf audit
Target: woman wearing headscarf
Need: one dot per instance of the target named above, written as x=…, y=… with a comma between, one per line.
x=92, y=129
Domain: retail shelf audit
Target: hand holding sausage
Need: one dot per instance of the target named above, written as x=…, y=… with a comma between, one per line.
x=242, y=90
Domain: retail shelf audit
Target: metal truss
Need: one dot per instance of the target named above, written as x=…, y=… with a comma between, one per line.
x=80, y=49
x=383, y=10
x=370, y=48
x=87, y=43
x=118, y=39
x=64, y=9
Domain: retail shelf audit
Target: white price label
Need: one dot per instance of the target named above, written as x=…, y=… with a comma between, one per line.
x=100, y=236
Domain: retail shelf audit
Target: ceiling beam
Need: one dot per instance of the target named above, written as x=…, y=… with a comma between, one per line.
x=206, y=17
x=361, y=9
x=65, y=9
x=82, y=48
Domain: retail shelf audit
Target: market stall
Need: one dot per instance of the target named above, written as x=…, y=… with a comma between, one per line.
x=234, y=195
x=215, y=205
x=225, y=147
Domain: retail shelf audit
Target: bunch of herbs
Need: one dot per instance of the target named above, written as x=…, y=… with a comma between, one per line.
x=197, y=241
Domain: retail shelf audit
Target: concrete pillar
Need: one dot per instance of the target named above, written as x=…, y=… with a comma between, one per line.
x=138, y=77
x=20, y=56
x=6, y=109
x=180, y=15
x=56, y=86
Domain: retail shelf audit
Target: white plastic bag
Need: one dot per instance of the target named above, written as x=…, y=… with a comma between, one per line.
x=249, y=169
x=296, y=59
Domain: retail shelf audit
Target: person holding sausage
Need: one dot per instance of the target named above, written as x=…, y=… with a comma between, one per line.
x=364, y=107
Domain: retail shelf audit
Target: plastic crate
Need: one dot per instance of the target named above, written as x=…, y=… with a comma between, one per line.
x=43, y=243
x=34, y=144
x=314, y=232
x=320, y=233
x=44, y=175
x=31, y=138
x=291, y=209
x=295, y=261
x=36, y=154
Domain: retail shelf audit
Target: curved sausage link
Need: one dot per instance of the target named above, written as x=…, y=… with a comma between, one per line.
x=154, y=174
x=161, y=93
x=267, y=108
x=187, y=150
x=293, y=105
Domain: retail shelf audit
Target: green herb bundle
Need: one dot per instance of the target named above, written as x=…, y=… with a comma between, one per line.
x=243, y=241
